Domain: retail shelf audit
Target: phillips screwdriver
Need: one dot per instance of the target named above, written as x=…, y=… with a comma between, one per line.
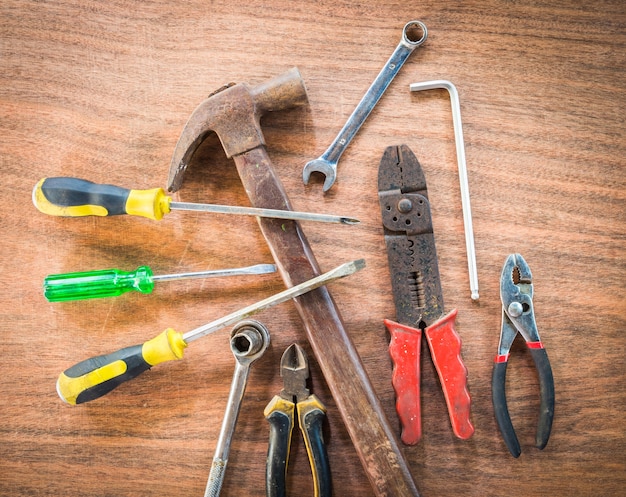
x=95, y=377
x=114, y=282
x=73, y=197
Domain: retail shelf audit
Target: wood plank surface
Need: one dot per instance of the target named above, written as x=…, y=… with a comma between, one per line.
x=102, y=91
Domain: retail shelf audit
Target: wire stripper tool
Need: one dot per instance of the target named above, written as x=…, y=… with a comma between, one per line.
x=418, y=297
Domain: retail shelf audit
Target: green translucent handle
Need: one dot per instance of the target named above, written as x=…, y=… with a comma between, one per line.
x=97, y=284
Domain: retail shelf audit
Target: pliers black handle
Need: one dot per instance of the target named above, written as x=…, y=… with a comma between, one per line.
x=281, y=415
x=516, y=292
x=546, y=409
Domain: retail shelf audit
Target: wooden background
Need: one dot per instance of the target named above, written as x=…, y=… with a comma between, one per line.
x=102, y=90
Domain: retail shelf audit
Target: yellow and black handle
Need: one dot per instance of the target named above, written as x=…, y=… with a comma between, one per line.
x=73, y=197
x=280, y=415
x=97, y=376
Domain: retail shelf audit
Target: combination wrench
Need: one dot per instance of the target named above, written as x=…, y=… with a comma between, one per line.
x=326, y=164
x=248, y=342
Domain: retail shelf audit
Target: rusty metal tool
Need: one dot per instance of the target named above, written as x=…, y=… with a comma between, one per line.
x=518, y=317
x=418, y=297
x=295, y=402
x=248, y=342
x=326, y=164
x=462, y=166
x=234, y=114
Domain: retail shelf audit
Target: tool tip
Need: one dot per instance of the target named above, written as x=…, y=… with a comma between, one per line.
x=349, y=220
x=358, y=264
x=294, y=358
x=475, y=295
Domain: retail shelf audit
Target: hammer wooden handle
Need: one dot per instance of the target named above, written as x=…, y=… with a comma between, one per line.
x=367, y=425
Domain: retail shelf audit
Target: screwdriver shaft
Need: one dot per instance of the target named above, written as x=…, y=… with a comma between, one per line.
x=257, y=269
x=255, y=211
x=339, y=272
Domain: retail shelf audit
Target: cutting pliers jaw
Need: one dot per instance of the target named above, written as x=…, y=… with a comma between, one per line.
x=516, y=293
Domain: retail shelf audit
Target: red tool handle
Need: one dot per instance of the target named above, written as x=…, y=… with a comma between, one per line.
x=445, y=349
x=404, y=349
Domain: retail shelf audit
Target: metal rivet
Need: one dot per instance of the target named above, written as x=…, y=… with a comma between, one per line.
x=515, y=309
x=405, y=205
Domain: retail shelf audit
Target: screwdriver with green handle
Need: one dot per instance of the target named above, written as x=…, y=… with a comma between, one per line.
x=95, y=377
x=114, y=282
x=73, y=197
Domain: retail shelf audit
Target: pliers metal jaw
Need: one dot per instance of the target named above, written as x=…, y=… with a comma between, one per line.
x=518, y=316
x=281, y=412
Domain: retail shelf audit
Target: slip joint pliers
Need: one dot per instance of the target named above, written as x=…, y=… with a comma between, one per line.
x=518, y=316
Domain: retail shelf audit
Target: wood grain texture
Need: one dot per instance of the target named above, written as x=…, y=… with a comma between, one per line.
x=102, y=90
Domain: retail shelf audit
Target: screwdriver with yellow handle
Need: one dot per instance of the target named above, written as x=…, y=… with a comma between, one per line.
x=114, y=282
x=95, y=377
x=73, y=197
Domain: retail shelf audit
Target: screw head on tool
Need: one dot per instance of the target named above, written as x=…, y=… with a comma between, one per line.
x=405, y=205
x=515, y=309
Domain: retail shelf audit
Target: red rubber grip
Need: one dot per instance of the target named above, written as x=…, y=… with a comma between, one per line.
x=445, y=349
x=404, y=349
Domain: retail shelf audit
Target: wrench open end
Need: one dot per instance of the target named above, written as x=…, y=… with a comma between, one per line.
x=414, y=34
x=321, y=166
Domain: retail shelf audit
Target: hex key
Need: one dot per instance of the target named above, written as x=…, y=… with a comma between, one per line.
x=460, y=154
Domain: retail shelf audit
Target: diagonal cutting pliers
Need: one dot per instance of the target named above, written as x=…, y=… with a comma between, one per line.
x=518, y=316
x=295, y=400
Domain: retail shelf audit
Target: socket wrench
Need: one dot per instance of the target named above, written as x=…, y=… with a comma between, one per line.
x=248, y=342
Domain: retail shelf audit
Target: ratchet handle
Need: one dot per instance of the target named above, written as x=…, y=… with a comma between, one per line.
x=445, y=349
x=404, y=349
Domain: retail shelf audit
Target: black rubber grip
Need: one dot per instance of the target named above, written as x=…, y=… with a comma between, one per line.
x=131, y=356
x=501, y=411
x=74, y=192
x=318, y=456
x=546, y=387
x=281, y=426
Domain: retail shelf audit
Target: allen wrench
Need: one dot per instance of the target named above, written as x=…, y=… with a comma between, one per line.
x=460, y=155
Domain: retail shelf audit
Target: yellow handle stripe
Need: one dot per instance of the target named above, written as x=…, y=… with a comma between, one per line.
x=153, y=204
x=310, y=405
x=280, y=404
x=70, y=388
x=168, y=346
x=45, y=206
x=86, y=381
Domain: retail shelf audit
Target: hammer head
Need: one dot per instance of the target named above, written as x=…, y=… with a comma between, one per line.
x=234, y=114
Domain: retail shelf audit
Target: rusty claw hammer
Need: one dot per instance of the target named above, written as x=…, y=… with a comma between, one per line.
x=234, y=114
